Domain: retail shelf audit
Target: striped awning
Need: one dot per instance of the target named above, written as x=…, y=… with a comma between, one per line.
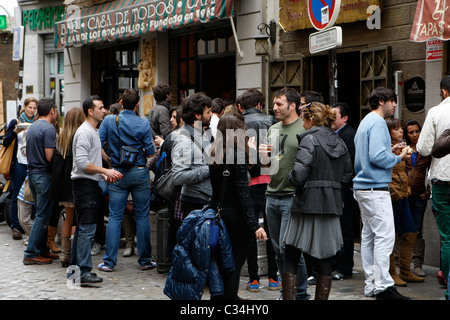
x=122, y=19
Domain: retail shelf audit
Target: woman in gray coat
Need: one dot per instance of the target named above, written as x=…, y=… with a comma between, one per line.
x=321, y=166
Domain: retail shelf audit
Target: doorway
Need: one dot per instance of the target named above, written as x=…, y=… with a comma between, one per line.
x=217, y=77
x=348, y=76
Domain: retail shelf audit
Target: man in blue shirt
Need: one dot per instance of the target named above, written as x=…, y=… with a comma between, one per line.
x=40, y=145
x=133, y=131
x=374, y=160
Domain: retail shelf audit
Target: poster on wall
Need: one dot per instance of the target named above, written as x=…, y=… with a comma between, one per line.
x=414, y=93
x=435, y=49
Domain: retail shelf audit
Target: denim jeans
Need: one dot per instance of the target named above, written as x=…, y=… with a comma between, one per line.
x=17, y=179
x=278, y=209
x=377, y=239
x=418, y=208
x=81, y=247
x=403, y=218
x=40, y=188
x=137, y=181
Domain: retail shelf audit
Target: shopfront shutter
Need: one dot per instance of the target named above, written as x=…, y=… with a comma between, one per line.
x=376, y=71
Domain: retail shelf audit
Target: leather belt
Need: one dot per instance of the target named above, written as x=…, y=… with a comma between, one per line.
x=436, y=181
x=376, y=189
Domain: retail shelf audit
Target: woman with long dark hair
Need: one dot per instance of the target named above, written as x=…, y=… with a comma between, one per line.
x=230, y=161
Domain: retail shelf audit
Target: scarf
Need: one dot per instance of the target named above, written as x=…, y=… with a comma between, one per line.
x=23, y=118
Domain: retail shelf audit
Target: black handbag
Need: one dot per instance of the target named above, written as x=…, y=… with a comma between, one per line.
x=128, y=155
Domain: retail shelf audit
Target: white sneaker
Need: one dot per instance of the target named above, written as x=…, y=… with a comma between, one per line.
x=95, y=249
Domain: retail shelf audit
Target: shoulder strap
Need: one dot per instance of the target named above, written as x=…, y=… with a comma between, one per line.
x=118, y=133
x=225, y=177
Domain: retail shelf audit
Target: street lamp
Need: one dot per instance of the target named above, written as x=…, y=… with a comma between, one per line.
x=266, y=31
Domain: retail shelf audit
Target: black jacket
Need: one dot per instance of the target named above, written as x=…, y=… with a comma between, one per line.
x=237, y=194
x=322, y=165
x=257, y=124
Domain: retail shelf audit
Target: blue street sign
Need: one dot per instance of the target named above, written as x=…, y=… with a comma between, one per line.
x=323, y=13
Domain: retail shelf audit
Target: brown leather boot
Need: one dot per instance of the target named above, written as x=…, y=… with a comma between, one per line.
x=323, y=287
x=51, y=239
x=393, y=272
x=406, y=248
x=289, y=283
x=66, y=249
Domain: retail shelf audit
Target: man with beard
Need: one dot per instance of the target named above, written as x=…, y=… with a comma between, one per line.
x=282, y=138
x=374, y=160
x=190, y=168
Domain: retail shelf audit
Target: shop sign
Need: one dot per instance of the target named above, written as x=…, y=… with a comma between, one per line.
x=414, y=93
x=3, y=23
x=435, y=48
x=325, y=40
x=294, y=13
x=431, y=21
x=18, y=34
x=117, y=20
x=42, y=18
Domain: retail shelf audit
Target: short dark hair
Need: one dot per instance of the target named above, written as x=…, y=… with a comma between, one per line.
x=312, y=96
x=445, y=83
x=383, y=94
x=130, y=99
x=344, y=109
x=251, y=98
x=217, y=105
x=160, y=92
x=44, y=106
x=89, y=104
x=292, y=96
x=194, y=104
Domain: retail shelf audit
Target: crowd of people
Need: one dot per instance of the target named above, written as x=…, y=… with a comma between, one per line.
x=303, y=171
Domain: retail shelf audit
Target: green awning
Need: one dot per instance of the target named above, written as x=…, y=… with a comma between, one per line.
x=122, y=19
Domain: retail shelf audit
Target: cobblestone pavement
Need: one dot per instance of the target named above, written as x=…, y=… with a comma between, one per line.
x=128, y=282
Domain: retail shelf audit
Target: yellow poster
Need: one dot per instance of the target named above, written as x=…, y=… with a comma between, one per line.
x=294, y=13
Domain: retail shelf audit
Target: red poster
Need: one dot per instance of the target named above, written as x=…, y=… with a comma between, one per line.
x=431, y=20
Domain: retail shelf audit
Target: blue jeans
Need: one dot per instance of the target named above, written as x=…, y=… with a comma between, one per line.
x=137, y=181
x=17, y=179
x=40, y=188
x=278, y=209
x=81, y=247
x=418, y=208
x=403, y=219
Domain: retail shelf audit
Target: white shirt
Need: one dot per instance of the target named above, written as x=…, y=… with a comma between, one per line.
x=213, y=124
x=437, y=120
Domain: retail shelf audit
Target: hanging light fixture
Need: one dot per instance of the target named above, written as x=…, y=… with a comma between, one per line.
x=266, y=31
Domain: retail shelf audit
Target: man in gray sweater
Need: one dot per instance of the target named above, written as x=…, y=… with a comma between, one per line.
x=87, y=171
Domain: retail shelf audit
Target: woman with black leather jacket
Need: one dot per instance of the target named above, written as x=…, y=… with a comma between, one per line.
x=230, y=162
